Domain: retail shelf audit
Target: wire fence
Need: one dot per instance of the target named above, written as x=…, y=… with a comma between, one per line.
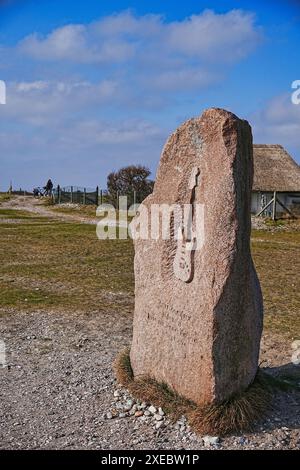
x=93, y=196
x=85, y=196
x=77, y=195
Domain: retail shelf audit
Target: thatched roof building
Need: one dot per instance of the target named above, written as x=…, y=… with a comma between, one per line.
x=275, y=170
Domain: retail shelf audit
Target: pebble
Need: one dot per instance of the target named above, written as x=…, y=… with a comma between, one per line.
x=143, y=418
x=124, y=405
x=159, y=425
x=181, y=422
x=210, y=440
x=128, y=405
x=158, y=417
x=152, y=410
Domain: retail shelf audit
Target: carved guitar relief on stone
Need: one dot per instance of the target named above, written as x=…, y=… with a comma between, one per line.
x=183, y=265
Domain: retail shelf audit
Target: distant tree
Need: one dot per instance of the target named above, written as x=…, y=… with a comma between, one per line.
x=127, y=180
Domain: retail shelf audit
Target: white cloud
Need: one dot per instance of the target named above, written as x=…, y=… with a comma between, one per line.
x=41, y=103
x=207, y=36
x=104, y=132
x=146, y=53
x=278, y=122
x=48, y=124
x=188, y=78
x=30, y=86
x=81, y=153
x=215, y=37
x=125, y=24
x=75, y=43
x=61, y=43
x=100, y=92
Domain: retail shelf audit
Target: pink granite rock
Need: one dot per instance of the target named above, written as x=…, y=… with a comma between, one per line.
x=198, y=307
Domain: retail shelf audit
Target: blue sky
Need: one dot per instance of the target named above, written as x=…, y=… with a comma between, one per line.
x=96, y=85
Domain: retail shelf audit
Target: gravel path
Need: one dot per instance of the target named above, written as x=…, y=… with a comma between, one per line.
x=36, y=206
x=58, y=390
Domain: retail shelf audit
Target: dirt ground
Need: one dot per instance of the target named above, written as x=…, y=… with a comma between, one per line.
x=57, y=386
x=37, y=206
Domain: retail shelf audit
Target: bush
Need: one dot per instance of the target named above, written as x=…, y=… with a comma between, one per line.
x=128, y=180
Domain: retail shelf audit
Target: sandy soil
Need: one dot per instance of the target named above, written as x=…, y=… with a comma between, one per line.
x=36, y=206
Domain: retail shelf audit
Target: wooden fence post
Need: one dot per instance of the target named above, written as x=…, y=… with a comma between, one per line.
x=97, y=196
x=274, y=206
x=58, y=194
x=71, y=194
x=84, y=196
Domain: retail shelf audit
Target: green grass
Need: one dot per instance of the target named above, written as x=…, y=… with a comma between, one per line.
x=4, y=197
x=15, y=214
x=85, y=211
x=74, y=268
x=288, y=223
x=277, y=259
x=82, y=210
x=12, y=296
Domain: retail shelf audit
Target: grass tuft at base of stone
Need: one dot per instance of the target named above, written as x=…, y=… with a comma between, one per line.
x=149, y=390
x=238, y=414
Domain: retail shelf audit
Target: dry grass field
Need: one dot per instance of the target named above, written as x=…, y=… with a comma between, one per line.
x=48, y=262
x=277, y=258
x=71, y=267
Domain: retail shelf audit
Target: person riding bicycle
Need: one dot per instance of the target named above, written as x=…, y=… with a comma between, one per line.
x=36, y=192
x=48, y=188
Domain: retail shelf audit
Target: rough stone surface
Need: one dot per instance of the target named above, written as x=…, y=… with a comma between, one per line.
x=198, y=327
